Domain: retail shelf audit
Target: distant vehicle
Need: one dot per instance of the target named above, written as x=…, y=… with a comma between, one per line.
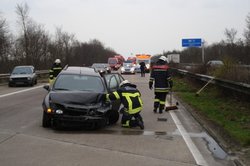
x=23, y=75
x=173, y=58
x=78, y=99
x=214, y=63
x=116, y=62
x=101, y=67
x=146, y=58
x=132, y=60
x=128, y=68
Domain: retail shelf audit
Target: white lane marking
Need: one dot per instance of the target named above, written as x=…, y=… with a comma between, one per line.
x=25, y=90
x=191, y=146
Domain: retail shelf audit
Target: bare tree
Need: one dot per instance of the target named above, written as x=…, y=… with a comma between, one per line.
x=247, y=31
x=64, y=42
x=22, y=10
x=230, y=35
x=5, y=43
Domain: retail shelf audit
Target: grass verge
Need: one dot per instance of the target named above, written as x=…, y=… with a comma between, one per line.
x=226, y=112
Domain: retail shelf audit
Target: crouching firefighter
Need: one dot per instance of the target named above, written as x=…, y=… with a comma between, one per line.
x=161, y=78
x=131, y=100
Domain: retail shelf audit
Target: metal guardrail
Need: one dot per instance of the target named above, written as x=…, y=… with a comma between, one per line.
x=236, y=86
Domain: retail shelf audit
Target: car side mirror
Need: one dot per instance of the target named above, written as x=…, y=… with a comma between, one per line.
x=47, y=87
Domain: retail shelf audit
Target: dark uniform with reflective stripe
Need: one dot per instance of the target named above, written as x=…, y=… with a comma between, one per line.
x=131, y=99
x=161, y=78
x=53, y=72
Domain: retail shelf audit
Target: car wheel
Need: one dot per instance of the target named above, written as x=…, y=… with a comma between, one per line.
x=10, y=85
x=46, y=120
x=113, y=116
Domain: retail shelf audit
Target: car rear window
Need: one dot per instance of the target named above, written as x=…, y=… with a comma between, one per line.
x=72, y=82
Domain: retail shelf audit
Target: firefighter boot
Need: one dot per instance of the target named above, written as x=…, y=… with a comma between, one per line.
x=140, y=123
x=161, y=108
x=155, y=109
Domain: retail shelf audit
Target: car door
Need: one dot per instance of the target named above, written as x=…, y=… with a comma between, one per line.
x=113, y=81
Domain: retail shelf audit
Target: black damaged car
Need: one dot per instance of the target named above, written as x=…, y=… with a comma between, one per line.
x=78, y=98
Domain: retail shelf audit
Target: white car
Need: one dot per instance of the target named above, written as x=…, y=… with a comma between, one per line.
x=128, y=68
x=215, y=63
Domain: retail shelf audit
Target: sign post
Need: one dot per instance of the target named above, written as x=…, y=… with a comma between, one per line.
x=194, y=42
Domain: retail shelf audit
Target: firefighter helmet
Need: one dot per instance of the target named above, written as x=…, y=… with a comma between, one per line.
x=124, y=82
x=57, y=61
x=163, y=58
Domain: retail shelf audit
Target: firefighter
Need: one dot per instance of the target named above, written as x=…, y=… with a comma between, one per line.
x=160, y=77
x=143, y=68
x=132, y=104
x=55, y=70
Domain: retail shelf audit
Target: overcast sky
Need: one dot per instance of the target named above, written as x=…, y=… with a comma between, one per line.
x=136, y=26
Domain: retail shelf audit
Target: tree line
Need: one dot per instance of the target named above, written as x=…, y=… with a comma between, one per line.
x=33, y=45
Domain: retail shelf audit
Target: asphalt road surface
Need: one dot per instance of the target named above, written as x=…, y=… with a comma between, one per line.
x=178, y=141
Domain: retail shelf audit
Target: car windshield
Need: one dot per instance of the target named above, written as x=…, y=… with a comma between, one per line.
x=215, y=63
x=22, y=70
x=145, y=61
x=112, y=61
x=72, y=82
x=95, y=65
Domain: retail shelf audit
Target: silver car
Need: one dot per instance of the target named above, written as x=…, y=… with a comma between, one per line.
x=128, y=68
x=23, y=75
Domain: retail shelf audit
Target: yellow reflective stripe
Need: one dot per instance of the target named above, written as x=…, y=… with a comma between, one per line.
x=127, y=96
x=126, y=124
x=131, y=94
x=161, y=90
x=116, y=95
x=57, y=68
x=140, y=100
x=133, y=111
x=50, y=70
x=107, y=97
x=162, y=102
x=156, y=100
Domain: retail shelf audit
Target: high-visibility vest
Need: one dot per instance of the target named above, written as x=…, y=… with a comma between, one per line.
x=130, y=98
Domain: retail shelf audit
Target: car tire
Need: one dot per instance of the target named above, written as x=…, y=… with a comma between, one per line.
x=46, y=120
x=10, y=85
x=113, y=117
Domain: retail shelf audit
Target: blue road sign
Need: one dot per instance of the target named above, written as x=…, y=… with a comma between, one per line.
x=191, y=42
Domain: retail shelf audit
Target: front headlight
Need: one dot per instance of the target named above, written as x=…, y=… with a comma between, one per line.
x=29, y=78
x=59, y=111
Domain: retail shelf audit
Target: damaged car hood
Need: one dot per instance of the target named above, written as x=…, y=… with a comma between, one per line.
x=79, y=99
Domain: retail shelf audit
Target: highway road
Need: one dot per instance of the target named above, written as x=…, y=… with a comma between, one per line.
x=178, y=141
